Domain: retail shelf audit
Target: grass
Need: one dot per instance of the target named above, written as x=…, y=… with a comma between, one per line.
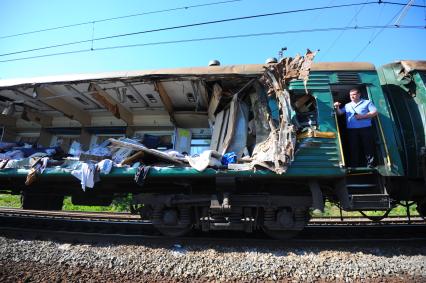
x=118, y=204
x=12, y=201
x=332, y=210
x=122, y=205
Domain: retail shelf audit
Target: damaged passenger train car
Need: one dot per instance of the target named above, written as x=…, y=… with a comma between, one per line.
x=241, y=147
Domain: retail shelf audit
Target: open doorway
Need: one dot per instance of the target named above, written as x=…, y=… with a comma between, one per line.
x=341, y=94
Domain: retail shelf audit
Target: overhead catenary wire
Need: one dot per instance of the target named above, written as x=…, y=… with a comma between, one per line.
x=188, y=26
x=371, y=40
x=200, y=24
x=342, y=32
x=404, y=12
x=160, y=11
x=214, y=38
x=118, y=18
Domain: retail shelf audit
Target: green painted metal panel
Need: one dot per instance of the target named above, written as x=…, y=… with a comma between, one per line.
x=385, y=123
x=318, y=156
x=407, y=100
x=186, y=172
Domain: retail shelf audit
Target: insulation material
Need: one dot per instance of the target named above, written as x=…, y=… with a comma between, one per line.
x=277, y=151
x=205, y=159
x=240, y=126
x=260, y=111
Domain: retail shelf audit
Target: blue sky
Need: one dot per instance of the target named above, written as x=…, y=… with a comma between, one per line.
x=18, y=16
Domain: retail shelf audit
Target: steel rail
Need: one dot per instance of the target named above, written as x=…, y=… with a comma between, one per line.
x=100, y=226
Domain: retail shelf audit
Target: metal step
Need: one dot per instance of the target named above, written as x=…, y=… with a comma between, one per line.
x=370, y=202
x=361, y=186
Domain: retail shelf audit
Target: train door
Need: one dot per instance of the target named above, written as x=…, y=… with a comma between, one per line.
x=341, y=94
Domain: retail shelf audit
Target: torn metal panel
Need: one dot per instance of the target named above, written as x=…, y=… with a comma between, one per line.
x=277, y=151
x=238, y=140
x=260, y=111
x=410, y=66
x=233, y=110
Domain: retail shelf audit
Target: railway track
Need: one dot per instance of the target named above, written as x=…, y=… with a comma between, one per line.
x=125, y=227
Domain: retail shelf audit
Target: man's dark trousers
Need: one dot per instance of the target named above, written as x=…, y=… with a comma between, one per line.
x=361, y=140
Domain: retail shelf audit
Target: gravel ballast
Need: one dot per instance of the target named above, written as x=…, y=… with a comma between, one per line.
x=38, y=261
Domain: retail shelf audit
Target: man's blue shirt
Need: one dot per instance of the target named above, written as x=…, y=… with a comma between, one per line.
x=362, y=107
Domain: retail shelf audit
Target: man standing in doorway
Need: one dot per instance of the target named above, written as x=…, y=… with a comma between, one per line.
x=359, y=113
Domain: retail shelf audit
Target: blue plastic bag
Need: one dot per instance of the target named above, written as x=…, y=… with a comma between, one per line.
x=228, y=158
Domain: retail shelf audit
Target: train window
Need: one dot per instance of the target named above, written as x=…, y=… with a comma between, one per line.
x=305, y=107
x=156, y=140
x=27, y=139
x=198, y=145
x=64, y=141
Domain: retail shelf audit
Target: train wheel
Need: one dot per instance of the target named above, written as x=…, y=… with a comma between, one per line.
x=173, y=222
x=284, y=223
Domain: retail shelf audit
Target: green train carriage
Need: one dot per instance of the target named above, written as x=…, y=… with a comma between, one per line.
x=178, y=198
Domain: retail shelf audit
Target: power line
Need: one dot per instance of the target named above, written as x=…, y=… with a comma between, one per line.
x=377, y=34
x=216, y=38
x=118, y=18
x=404, y=12
x=185, y=26
x=402, y=4
x=156, y=12
x=197, y=24
x=343, y=31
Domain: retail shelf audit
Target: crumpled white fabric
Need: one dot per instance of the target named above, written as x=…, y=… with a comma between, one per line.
x=205, y=159
x=86, y=174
